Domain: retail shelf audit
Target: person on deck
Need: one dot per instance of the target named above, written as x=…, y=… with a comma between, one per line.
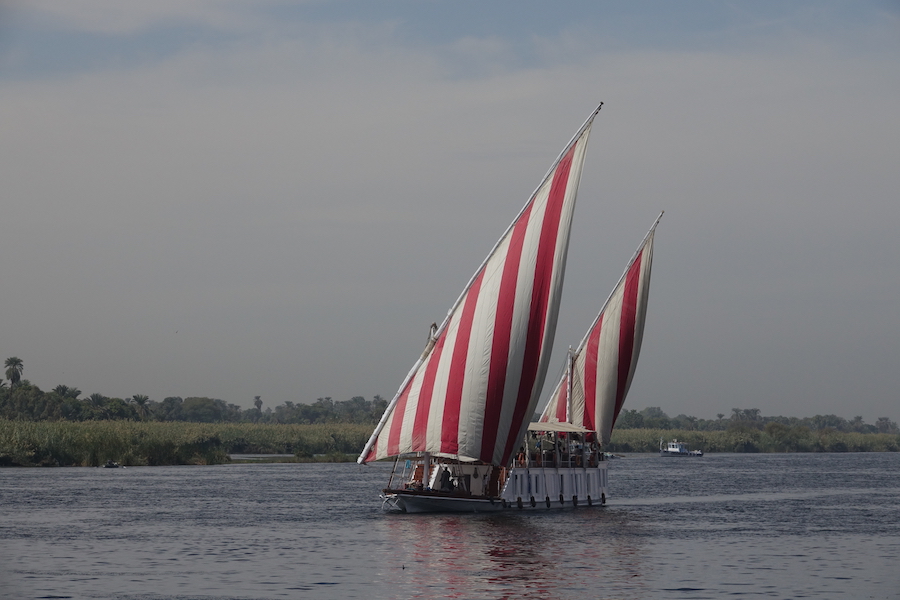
x=446, y=484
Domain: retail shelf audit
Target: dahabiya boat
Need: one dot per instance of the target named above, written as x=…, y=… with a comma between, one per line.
x=458, y=427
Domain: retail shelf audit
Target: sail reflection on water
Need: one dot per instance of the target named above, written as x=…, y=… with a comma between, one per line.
x=452, y=556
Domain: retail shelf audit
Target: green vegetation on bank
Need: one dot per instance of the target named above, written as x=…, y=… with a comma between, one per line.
x=21, y=400
x=748, y=431
x=27, y=402
x=653, y=417
x=131, y=443
x=60, y=428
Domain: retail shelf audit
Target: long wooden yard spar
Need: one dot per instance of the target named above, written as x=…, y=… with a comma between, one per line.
x=471, y=393
x=593, y=388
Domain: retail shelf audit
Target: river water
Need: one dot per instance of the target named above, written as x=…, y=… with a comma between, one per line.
x=727, y=525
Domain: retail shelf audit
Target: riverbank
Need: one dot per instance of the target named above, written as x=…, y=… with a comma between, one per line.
x=135, y=443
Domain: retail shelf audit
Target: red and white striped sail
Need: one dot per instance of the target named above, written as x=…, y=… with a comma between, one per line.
x=474, y=389
x=603, y=365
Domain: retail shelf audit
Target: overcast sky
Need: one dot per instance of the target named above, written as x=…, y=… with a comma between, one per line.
x=232, y=199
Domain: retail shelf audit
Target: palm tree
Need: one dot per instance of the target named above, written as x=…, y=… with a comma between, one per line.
x=140, y=401
x=257, y=402
x=65, y=391
x=98, y=402
x=13, y=370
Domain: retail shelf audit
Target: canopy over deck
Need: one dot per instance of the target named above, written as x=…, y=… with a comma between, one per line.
x=556, y=426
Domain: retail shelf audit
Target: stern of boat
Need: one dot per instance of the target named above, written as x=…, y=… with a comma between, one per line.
x=556, y=487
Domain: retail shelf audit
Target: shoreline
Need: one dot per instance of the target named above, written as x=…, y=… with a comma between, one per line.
x=154, y=443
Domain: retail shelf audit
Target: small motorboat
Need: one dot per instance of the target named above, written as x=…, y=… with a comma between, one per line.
x=676, y=448
x=111, y=465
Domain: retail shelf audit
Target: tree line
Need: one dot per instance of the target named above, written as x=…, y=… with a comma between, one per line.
x=21, y=400
x=750, y=419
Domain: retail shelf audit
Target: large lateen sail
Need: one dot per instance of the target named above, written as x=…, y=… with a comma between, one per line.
x=475, y=387
x=593, y=388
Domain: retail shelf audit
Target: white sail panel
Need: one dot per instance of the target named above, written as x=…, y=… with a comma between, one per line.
x=605, y=361
x=478, y=382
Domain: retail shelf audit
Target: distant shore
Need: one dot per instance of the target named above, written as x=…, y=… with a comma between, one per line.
x=768, y=439
x=135, y=443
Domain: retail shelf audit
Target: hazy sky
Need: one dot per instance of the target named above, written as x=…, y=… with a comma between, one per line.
x=232, y=199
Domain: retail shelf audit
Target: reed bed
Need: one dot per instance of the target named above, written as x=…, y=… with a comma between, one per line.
x=131, y=443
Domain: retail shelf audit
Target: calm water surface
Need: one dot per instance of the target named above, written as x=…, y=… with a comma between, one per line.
x=745, y=526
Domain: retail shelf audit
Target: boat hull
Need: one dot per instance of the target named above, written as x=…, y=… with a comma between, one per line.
x=525, y=489
x=413, y=502
x=694, y=453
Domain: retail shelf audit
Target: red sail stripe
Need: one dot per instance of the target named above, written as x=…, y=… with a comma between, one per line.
x=420, y=425
x=503, y=320
x=544, y=271
x=393, y=446
x=562, y=401
x=626, y=332
x=590, y=377
x=373, y=452
x=453, y=397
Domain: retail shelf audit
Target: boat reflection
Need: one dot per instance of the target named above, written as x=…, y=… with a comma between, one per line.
x=589, y=553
